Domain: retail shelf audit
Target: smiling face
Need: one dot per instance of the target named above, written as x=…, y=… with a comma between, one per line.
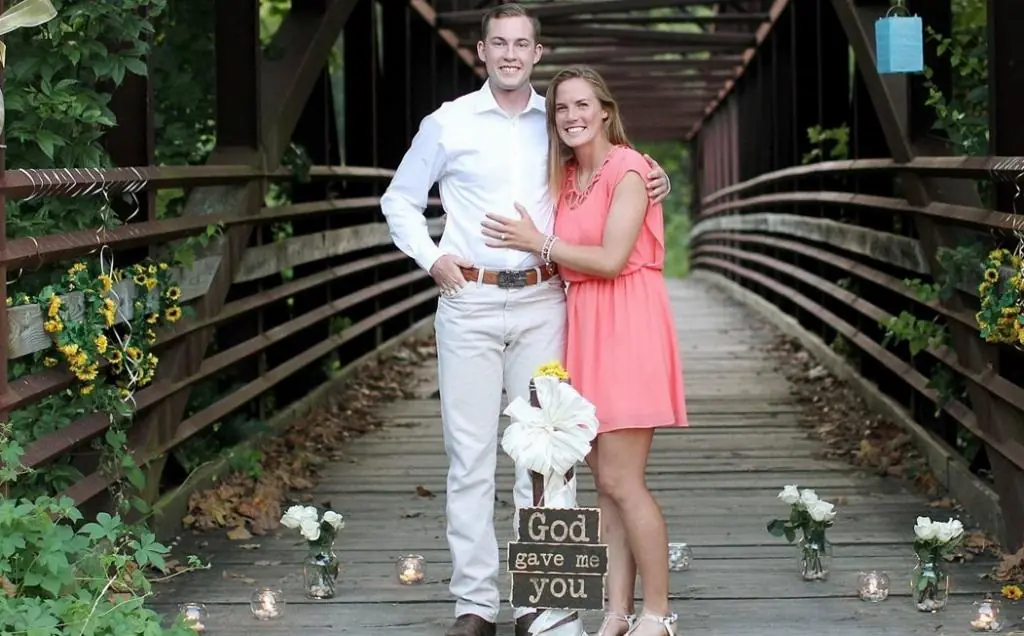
x=579, y=115
x=580, y=110
x=509, y=50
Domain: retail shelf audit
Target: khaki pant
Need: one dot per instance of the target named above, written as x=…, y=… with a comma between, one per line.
x=488, y=339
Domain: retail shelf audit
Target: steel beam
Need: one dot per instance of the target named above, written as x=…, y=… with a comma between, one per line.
x=633, y=65
x=306, y=36
x=654, y=36
x=777, y=7
x=548, y=10
x=716, y=19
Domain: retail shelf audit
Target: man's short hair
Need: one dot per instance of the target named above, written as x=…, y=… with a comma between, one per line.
x=509, y=10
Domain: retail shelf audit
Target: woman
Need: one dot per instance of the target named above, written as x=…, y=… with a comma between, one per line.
x=621, y=347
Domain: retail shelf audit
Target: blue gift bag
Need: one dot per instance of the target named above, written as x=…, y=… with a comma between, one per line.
x=899, y=44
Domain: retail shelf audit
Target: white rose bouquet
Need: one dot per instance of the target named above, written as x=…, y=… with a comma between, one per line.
x=933, y=542
x=936, y=540
x=321, y=567
x=313, y=527
x=811, y=516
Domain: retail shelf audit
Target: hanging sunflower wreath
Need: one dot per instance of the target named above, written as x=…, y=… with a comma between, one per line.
x=110, y=330
x=1001, y=293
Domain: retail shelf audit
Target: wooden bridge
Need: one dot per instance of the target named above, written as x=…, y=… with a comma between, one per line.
x=843, y=326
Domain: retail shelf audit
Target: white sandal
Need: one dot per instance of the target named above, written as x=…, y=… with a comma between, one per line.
x=612, y=616
x=665, y=621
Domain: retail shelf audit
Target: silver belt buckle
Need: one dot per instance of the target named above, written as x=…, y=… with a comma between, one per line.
x=512, y=279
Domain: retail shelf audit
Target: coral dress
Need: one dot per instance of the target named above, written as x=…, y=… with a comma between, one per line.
x=621, y=350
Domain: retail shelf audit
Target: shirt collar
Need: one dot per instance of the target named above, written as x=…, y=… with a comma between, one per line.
x=485, y=100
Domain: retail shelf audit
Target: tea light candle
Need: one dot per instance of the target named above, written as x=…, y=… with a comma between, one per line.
x=986, y=616
x=873, y=586
x=195, y=616
x=680, y=555
x=267, y=604
x=411, y=569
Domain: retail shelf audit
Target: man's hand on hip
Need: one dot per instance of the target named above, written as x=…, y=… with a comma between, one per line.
x=446, y=273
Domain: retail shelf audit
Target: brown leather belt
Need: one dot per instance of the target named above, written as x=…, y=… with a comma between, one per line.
x=511, y=278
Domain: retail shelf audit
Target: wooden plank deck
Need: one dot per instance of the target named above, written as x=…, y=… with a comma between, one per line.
x=717, y=483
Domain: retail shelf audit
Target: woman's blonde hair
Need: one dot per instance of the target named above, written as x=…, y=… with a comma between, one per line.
x=558, y=153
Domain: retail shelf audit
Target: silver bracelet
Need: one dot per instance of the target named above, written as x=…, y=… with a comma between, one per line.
x=545, y=252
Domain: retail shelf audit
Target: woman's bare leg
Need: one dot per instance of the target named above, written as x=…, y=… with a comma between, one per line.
x=621, y=579
x=622, y=461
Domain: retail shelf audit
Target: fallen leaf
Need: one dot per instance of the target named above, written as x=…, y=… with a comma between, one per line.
x=421, y=491
x=837, y=416
x=239, y=534
x=264, y=564
x=1011, y=567
x=239, y=577
x=292, y=462
x=249, y=546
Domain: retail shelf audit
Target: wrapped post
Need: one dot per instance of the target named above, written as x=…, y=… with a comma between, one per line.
x=537, y=479
x=558, y=563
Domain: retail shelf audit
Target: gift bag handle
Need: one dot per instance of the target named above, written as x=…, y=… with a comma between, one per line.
x=897, y=6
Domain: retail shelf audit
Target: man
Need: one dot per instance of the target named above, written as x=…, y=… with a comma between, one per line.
x=501, y=313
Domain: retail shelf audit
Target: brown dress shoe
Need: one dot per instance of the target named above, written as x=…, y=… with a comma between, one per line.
x=524, y=622
x=471, y=625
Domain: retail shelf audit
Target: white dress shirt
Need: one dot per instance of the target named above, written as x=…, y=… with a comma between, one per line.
x=484, y=162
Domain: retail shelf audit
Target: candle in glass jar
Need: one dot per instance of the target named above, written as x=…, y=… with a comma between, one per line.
x=410, y=569
x=679, y=557
x=195, y=616
x=266, y=604
x=986, y=616
x=873, y=586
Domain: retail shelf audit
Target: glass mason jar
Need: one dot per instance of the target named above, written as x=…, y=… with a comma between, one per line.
x=321, y=568
x=680, y=556
x=815, y=558
x=929, y=585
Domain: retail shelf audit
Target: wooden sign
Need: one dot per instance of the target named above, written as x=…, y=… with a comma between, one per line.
x=559, y=561
x=560, y=525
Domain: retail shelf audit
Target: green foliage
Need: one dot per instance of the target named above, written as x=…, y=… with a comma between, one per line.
x=674, y=158
x=677, y=245
x=838, y=137
x=183, y=70
x=59, y=576
x=272, y=12
x=957, y=268
x=916, y=333
x=58, y=84
x=963, y=114
x=846, y=349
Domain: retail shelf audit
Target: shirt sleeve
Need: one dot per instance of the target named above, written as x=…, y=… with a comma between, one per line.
x=405, y=200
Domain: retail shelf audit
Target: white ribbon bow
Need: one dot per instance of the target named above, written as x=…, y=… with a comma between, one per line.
x=547, y=618
x=556, y=436
x=29, y=13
